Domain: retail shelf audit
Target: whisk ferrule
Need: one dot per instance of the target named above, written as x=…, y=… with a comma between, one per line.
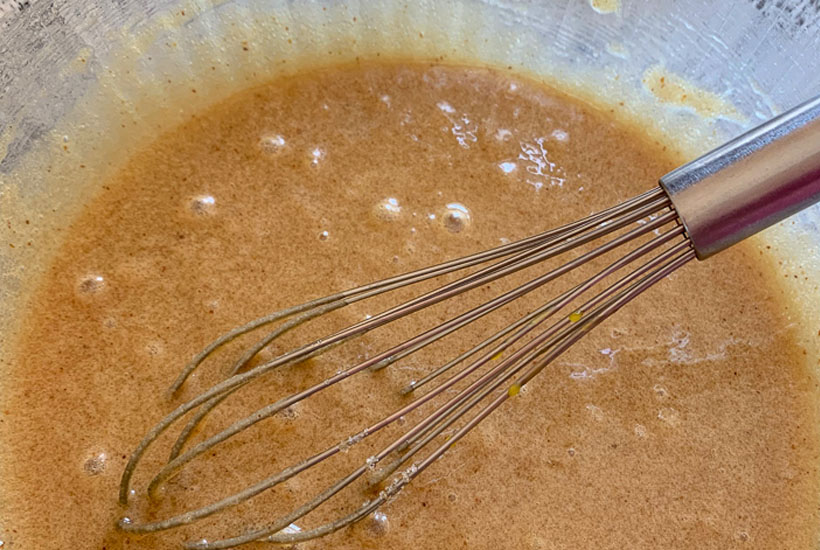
x=751, y=182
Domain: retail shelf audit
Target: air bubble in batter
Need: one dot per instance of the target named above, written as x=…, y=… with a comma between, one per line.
x=388, y=209
x=91, y=284
x=456, y=217
x=272, y=144
x=95, y=464
x=378, y=524
x=202, y=205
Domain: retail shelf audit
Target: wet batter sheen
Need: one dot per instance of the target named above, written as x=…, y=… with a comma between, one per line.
x=687, y=421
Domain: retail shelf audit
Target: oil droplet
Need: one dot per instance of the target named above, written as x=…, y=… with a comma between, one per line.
x=388, y=209
x=91, y=284
x=379, y=524
x=514, y=390
x=456, y=217
x=203, y=205
x=272, y=144
x=575, y=316
x=96, y=464
x=324, y=235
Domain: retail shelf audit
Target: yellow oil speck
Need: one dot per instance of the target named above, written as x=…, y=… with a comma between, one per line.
x=497, y=355
x=514, y=390
x=575, y=316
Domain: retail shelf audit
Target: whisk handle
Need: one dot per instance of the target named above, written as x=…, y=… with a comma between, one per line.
x=751, y=182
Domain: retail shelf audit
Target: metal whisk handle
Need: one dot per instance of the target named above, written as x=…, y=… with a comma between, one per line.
x=751, y=182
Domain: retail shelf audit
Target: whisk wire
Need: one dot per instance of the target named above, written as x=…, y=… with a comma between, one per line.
x=642, y=204
x=624, y=291
x=411, y=345
x=608, y=222
x=507, y=369
x=416, y=276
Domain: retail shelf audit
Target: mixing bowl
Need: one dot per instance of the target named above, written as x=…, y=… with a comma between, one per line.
x=84, y=85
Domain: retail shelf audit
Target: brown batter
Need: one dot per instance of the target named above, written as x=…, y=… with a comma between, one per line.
x=687, y=421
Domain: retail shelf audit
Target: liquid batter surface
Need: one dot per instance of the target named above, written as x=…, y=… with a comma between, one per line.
x=686, y=421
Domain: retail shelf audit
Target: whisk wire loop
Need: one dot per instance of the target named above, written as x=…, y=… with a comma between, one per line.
x=490, y=372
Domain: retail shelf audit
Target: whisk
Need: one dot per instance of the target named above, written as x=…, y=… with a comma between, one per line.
x=699, y=209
